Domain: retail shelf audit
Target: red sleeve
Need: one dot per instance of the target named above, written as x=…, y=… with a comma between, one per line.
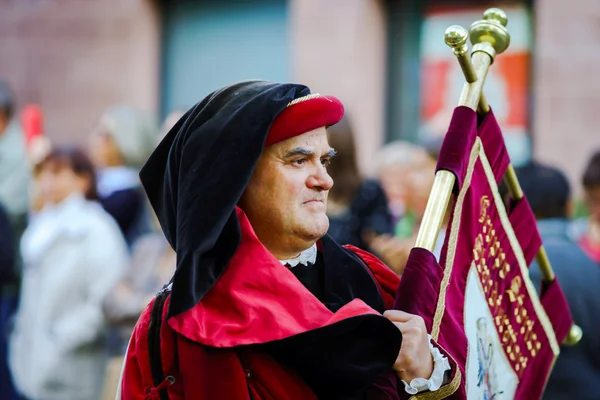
x=133, y=384
x=386, y=279
x=137, y=381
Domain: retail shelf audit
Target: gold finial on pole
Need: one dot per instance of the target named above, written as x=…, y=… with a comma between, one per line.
x=489, y=34
x=574, y=336
x=456, y=37
x=497, y=15
x=475, y=73
x=489, y=37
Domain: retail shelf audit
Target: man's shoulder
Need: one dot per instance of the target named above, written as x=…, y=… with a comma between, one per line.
x=565, y=253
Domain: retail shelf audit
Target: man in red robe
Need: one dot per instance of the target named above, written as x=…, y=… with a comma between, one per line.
x=263, y=304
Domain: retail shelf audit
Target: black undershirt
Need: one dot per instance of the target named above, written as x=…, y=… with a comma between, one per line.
x=312, y=276
x=341, y=360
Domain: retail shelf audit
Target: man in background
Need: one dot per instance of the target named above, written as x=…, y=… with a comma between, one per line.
x=590, y=237
x=577, y=370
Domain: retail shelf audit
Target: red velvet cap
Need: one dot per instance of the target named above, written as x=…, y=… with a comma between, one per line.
x=304, y=115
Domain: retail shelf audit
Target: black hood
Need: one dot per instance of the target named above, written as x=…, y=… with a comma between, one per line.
x=197, y=174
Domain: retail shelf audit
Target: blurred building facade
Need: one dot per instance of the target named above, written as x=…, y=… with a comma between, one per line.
x=380, y=57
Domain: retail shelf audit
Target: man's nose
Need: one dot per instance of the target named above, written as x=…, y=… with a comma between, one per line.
x=320, y=179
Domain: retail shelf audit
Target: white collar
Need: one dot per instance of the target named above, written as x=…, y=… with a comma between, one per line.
x=308, y=256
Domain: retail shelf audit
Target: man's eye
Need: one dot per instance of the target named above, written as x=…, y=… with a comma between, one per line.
x=326, y=161
x=299, y=161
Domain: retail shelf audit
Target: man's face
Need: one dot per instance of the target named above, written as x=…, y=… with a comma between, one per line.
x=102, y=149
x=286, y=198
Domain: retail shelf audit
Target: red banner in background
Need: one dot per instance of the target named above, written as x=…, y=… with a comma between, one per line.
x=507, y=88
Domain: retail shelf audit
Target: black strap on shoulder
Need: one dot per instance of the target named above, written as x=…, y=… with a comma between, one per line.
x=154, y=350
x=365, y=265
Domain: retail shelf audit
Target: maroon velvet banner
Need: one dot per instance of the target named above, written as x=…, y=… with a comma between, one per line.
x=479, y=302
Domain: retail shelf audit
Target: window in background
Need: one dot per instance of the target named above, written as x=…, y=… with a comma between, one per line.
x=208, y=44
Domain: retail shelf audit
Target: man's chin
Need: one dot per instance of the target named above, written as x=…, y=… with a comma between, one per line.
x=313, y=226
x=319, y=231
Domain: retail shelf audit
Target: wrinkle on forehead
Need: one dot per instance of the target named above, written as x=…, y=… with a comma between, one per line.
x=314, y=140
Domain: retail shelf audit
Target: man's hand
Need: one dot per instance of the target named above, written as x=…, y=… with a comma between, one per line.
x=414, y=359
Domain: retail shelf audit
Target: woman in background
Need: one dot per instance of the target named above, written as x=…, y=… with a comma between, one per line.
x=590, y=240
x=357, y=208
x=73, y=254
x=119, y=146
x=406, y=172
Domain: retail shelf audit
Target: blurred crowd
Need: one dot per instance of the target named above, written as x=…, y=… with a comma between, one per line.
x=81, y=253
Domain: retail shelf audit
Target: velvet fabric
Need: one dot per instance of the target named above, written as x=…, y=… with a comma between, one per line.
x=199, y=372
x=493, y=142
x=422, y=272
x=305, y=116
x=457, y=144
x=522, y=220
x=479, y=240
x=311, y=352
x=263, y=300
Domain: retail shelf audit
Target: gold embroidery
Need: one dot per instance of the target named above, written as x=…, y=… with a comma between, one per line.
x=485, y=203
x=497, y=262
x=487, y=245
x=521, y=265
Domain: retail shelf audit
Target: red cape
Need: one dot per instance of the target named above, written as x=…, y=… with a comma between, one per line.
x=205, y=348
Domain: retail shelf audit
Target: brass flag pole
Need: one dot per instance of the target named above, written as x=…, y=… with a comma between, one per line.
x=489, y=37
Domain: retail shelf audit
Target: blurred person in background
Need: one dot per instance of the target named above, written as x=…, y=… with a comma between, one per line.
x=357, y=208
x=8, y=253
x=406, y=172
x=8, y=259
x=119, y=146
x=590, y=237
x=152, y=266
x=153, y=263
x=577, y=370
x=73, y=254
x=15, y=170
x=15, y=182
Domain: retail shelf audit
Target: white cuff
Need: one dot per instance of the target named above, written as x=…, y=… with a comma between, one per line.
x=440, y=366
